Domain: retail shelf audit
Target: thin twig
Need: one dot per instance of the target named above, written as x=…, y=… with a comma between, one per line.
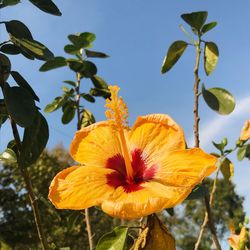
x=208, y=214
x=86, y=210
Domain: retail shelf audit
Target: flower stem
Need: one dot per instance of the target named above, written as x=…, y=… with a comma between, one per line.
x=86, y=210
x=208, y=215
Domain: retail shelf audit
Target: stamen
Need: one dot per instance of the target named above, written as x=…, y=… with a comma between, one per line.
x=117, y=115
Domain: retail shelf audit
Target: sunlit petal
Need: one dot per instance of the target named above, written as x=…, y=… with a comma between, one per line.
x=80, y=187
x=185, y=168
x=94, y=144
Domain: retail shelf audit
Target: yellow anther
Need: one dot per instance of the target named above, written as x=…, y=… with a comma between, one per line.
x=117, y=115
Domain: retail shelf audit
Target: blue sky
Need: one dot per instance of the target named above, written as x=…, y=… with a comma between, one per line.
x=136, y=34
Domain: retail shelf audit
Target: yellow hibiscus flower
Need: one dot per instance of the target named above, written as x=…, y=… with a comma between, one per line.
x=237, y=242
x=245, y=132
x=130, y=172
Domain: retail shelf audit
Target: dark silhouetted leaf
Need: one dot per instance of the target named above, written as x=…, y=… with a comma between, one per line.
x=68, y=113
x=5, y=3
x=34, y=141
x=170, y=211
x=195, y=19
x=88, y=97
x=90, y=53
x=24, y=84
x=218, y=99
x=175, y=51
x=71, y=49
x=99, y=83
x=85, y=68
x=3, y=112
x=208, y=27
x=18, y=29
x=54, y=63
x=87, y=118
x=47, y=6
x=211, y=56
x=56, y=104
x=20, y=105
x=10, y=49
x=82, y=40
x=198, y=193
x=105, y=93
x=70, y=83
x=5, y=67
x=113, y=240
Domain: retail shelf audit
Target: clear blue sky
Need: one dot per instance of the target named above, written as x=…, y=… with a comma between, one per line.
x=136, y=35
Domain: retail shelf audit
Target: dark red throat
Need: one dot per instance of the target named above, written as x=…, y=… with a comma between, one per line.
x=142, y=173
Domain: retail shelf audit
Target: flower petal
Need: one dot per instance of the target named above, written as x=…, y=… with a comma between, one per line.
x=156, y=135
x=152, y=198
x=80, y=187
x=94, y=144
x=245, y=132
x=185, y=168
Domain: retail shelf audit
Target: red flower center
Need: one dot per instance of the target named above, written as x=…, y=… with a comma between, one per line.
x=141, y=173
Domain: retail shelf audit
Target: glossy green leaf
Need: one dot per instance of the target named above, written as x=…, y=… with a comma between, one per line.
x=195, y=19
x=47, y=6
x=71, y=49
x=91, y=53
x=24, y=84
x=174, y=53
x=115, y=240
x=219, y=100
x=68, y=113
x=208, y=26
x=198, y=193
x=10, y=49
x=8, y=156
x=56, y=104
x=5, y=3
x=18, y=29
x=105, y=93
x=5, y=66
x=88, y=97
x=20, y=105
x=72, y=83
x=99, y=83
x=220, y=146
x=87, y=118
x=26, y=53
x=227, y=169
x=85, y=68
x=82, y=40
x=34, y=140
x=33, y=47
x=54, y=63
x=211, y=56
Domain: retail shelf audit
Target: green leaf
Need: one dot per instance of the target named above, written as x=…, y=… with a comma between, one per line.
x=241, y=152
x=68, y=113
x=71, y=49
x=88, y=97
x=53, y=63
x=87, y=118
x=18, y=29
x=24, y=84
x=211, y=56
x=208, y=26
x=85, y=68
x=10, y=49
x=5, y=67
x=174, y=53
x=3, y=112
x=20, y=105
x=70, y=83
x=90, y=53
x=105, y=93
x=170, y=211
x=47, y=6
x=219, y=100
x=227, y=169
x=115, y=240
x=56, y=104
x=220, y=146
x=34, y=141
x=8, y=156
x=5, y=3
x=82, y=40
x=33, y=47
x=26, y=54
x=198, y=192
x=195, y=19
x=99, y=83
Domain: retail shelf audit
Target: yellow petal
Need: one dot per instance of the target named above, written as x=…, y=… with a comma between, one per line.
x=245, y=132
x=233, y=241
x=185, y=168
x=80, y=187
x=94, y=144
x=156, y=135
x=152, y=198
